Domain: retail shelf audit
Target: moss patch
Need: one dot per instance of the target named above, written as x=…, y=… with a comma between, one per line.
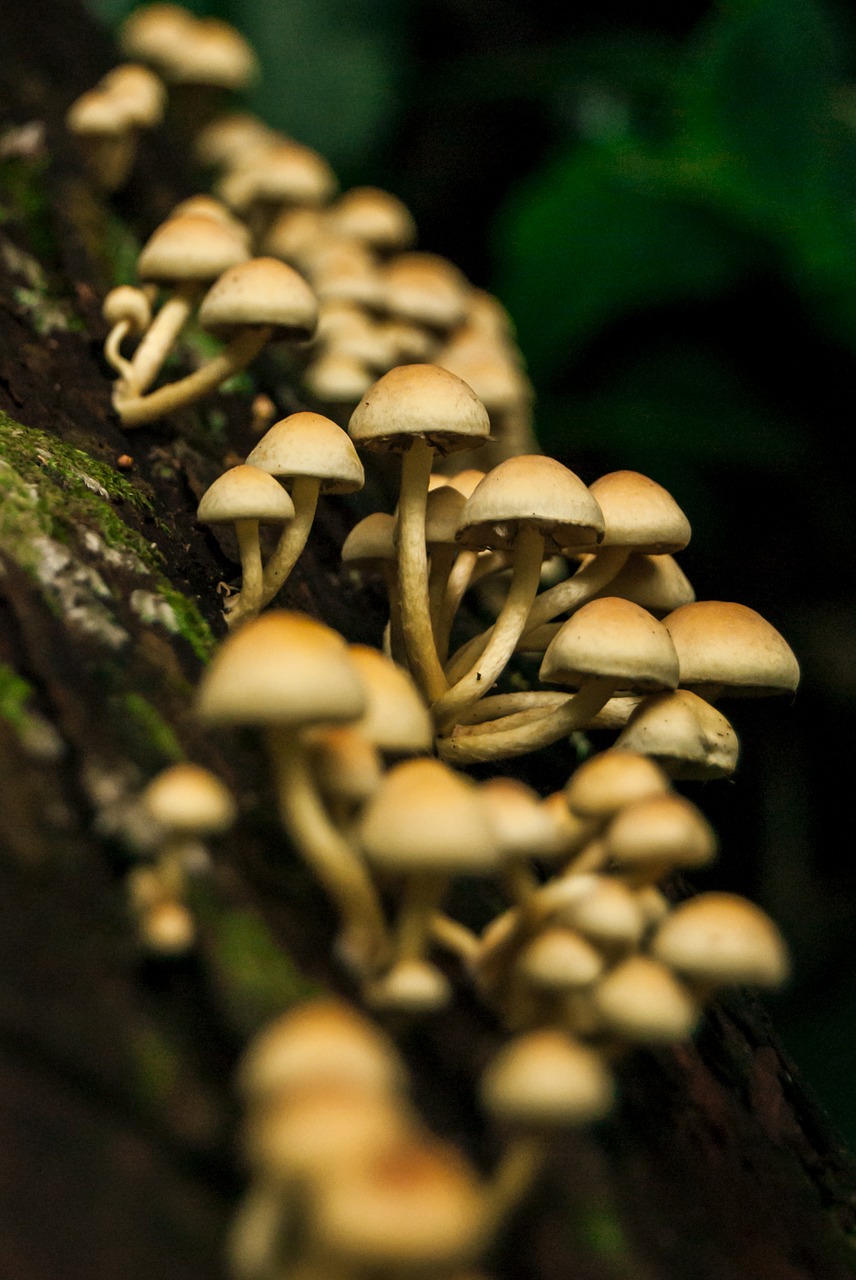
x=158, y=737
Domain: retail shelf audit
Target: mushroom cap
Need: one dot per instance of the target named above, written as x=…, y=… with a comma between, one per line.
x=425, y=288
x=606, y=782
x=346, y=271
x=336, y=379
x=535, y=491
x=127, y=303
x=523, y=827
x=227, y=137
x=443, y=508
x=640, y=513
x=345, y=764
x=692, y=740
x=323, y=1039
x=606, y=912
x=396, y=718
x=373, y=216
x=190, y=247
x=282, y=172
x=560, y=959
x=213, y=53
x=661, y=830
x=498, y=381
x=722, y=938
x=245, y=493
x=308, y=444
x=150, y=31
x=293, y=231
x=186, y=798
x=546, y=1079
x=260, y=291
x=657, y=583
x=615, y=639
x=371, y=541
x=426, y=817
x=721, y=643
x=411, y=987
x=99, y=114
x=281, y=669
x=142, y=93
x=641, y=1000
x=419, y=400
x=412, y=1206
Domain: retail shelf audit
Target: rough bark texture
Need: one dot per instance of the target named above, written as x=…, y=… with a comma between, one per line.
x=116, y=1113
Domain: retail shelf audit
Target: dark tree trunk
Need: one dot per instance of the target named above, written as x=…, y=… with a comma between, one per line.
x=116, y=1113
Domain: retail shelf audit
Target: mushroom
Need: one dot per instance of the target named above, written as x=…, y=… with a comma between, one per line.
x=246, y=497
x=247, y=304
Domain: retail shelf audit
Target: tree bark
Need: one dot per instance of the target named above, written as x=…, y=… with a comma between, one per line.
x=117, y=1119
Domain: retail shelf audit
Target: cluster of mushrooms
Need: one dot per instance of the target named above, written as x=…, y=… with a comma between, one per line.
x=375, y=302
x=588, y=957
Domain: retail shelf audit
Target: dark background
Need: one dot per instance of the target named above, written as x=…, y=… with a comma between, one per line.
x=666, y=202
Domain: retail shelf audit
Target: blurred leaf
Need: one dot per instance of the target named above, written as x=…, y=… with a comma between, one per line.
x=598, y=234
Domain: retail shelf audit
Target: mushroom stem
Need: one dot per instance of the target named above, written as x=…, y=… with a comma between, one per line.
x=576, y=591
x=422, y=898
x=442, y=563
x=505, y=704
x=506, y=631
x=454, y=937
x=413, y=571
x=329, y=856
x=515, y=1175
x=501, y=744
x=158, y=339
x=460, y=576
x=113, y=349
x=135, y=410
x=251, y=571
x=304, y=495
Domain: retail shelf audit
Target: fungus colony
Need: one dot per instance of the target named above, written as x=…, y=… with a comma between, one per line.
x=589, y=957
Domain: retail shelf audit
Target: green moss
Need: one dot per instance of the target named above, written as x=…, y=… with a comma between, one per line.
x=121, y=249
x=255, y=978
x=152, y=727
x=24, y=200
x=191, y=624
x=603, y=1233
x=15, y=692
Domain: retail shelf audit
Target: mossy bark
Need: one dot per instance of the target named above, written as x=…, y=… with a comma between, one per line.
x=116, y=1111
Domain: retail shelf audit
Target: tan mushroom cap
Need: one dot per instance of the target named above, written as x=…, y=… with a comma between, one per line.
x=498, y=381
x=641, y=1000
x=425, y=288
x=205, y=206
x=692, y=740
x=664, y=830
x=281, y=669
x=346, y=765
x=607, y=913
x=190, y=247
x=346, y=271
x=560, y=959
x=323, y=1039
x=308, y=444
x=293, y=232
x=227, y=137
x=374, y=216
x=141, y=92
x=411, y=987
x=419, y=400
x=657, y=583
x=523, y=827
x=98, y=114
x=465, y=481
x=728, y=645
x=260, y=291
x=616, y=639
x=640, y=513
x=427, y=817
x=371, y=541
x=212, y=53
x=721, y=938
x=337, y=379
x=245, y=493
x=188, y=798
x=396, y=718
x=127, y=303
x=443, y=508
x=606, y=782
x=414, y=1208
x=283, y=172
x=535, y=491
x=546, y=1079
x=319, y=1124
x=150, y=31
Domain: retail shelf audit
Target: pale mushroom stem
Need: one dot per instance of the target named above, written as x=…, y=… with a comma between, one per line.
x=442, y=562
x=304, y=495
x=422, y=898
x=396, y=637
x=329, y=856
x=502, y=744
x=563, y=598
x=469, y=569
x=251, y=570
x=519, y=1166
x=113, y=349
x=413, y=571
x=136, y=410
x=159, y=338
x=506, y=631
x=455, y=937
x=500, y=705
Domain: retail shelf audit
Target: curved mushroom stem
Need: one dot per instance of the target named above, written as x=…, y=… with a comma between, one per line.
x=502, y=744
x=442, y=563
x=454, y=937
x=413, y=571
x=563, y=598
x=460, y=576
x=331, y=858
x=304, y=495
x=161, y=334
x=500, y=705
x=506, y=631
x=251, y=571
x=519, y=1166
x=135, y=410
x=113, y=349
